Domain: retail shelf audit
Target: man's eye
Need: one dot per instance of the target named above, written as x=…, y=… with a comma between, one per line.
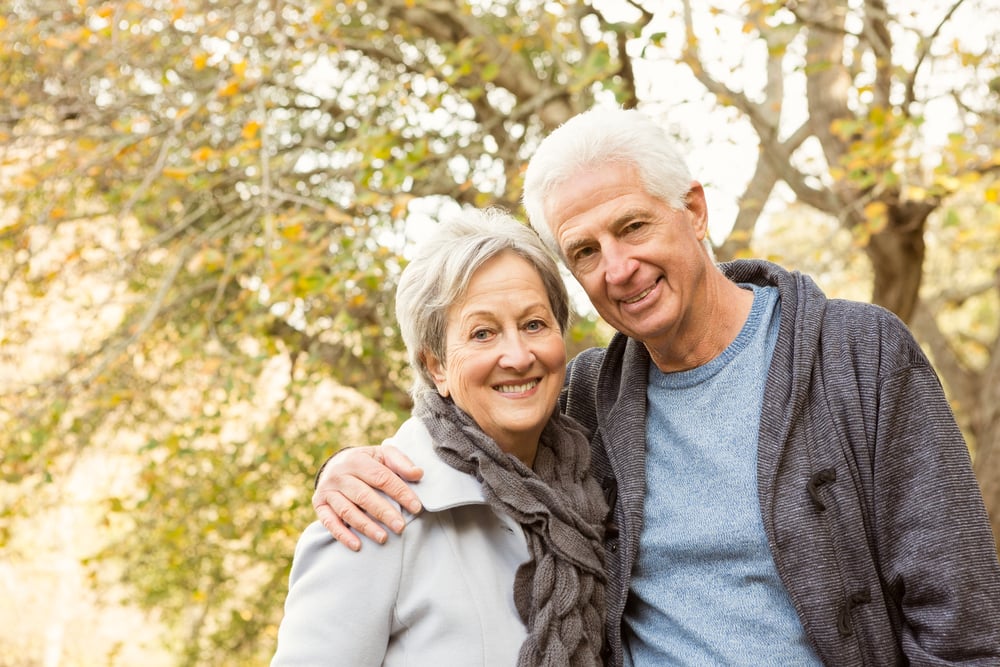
x=583, y=253
x=633, y=226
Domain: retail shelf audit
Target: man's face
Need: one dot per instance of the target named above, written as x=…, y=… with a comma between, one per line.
x=640, y=262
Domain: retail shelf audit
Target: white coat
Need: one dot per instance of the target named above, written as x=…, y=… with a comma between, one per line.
x=439, y=594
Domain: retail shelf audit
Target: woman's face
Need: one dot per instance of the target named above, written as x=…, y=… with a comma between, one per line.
x=505, y=358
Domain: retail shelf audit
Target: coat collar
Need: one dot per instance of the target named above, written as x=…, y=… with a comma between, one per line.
x=442, y=487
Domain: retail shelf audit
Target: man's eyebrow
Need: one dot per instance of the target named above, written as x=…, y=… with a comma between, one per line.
x=575, y=245
x=628, y=216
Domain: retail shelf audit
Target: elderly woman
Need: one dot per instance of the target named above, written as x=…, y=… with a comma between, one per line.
x=504, y=566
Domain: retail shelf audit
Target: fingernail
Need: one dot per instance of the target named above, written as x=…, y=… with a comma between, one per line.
x=396, y=525
x=414, y=507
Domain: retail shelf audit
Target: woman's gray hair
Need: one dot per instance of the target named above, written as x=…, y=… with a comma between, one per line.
x=439, y=273
x=600, y=137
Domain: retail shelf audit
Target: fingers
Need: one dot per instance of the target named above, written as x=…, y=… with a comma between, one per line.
x=357, y=471
x=341, y=517
x=347, y=494
x=400, y=464
x=335, y=526
x=397, y=467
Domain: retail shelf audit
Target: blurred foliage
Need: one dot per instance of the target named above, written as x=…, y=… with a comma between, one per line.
x=204, y=209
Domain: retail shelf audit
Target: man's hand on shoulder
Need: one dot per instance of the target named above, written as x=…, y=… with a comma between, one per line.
x=345, y=497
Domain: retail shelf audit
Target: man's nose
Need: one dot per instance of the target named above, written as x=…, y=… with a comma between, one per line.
x=618, y=264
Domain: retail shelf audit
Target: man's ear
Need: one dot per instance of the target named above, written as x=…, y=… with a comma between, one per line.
x=437, y=371
x=696, y=204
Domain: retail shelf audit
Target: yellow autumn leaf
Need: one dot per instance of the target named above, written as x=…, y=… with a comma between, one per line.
x=400, y=207
x=992, y=194
x=230, y=89
x=203, y=154
x=293, y=232
x=175, y=173
x=949, y=182
x=25, y=180
x=251, y=129
x=104, y=11
x=200, y=61
x=240, y=68
x=875, y=210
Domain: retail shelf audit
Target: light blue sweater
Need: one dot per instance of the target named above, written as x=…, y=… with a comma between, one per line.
x=705, y=590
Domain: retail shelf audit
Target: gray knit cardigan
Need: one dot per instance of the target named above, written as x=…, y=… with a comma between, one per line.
x=875, y=521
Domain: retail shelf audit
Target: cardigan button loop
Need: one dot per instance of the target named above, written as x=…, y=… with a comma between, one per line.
x=845, y=626
x=817, y=480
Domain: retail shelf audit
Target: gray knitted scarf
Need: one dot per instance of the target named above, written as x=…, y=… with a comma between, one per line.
x=559, y=591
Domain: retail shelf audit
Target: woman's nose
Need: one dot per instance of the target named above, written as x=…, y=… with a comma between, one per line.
x=516, y=353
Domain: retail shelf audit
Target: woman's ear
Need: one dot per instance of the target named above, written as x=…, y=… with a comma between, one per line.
x=438, y=374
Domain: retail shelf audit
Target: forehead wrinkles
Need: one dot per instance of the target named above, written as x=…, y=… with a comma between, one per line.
x=527, y=308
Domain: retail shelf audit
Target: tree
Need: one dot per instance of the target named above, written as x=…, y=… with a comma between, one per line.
x=221, y=191
x=231, y=180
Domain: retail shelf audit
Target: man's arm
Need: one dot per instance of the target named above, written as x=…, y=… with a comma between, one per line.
x=934, y=540
x=345, y=496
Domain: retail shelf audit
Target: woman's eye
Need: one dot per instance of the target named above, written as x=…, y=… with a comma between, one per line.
x=482, y=334
x=535, y=325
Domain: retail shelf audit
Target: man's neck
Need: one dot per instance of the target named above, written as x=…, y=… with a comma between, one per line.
x=707, y=335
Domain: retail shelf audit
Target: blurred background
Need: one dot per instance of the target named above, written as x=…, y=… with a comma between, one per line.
x=205, y=206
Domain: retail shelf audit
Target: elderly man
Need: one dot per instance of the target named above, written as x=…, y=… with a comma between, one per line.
x=790, y=485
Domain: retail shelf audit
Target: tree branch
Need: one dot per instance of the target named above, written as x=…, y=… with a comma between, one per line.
x=925, y=49
x=342, y=360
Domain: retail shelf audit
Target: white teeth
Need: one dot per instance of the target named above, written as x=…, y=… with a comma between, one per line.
x=516, y=388
x=638, y=296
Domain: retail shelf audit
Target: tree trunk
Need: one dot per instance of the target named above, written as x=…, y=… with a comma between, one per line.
x=987, y=453
x=986, y=431
x=897, y=256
